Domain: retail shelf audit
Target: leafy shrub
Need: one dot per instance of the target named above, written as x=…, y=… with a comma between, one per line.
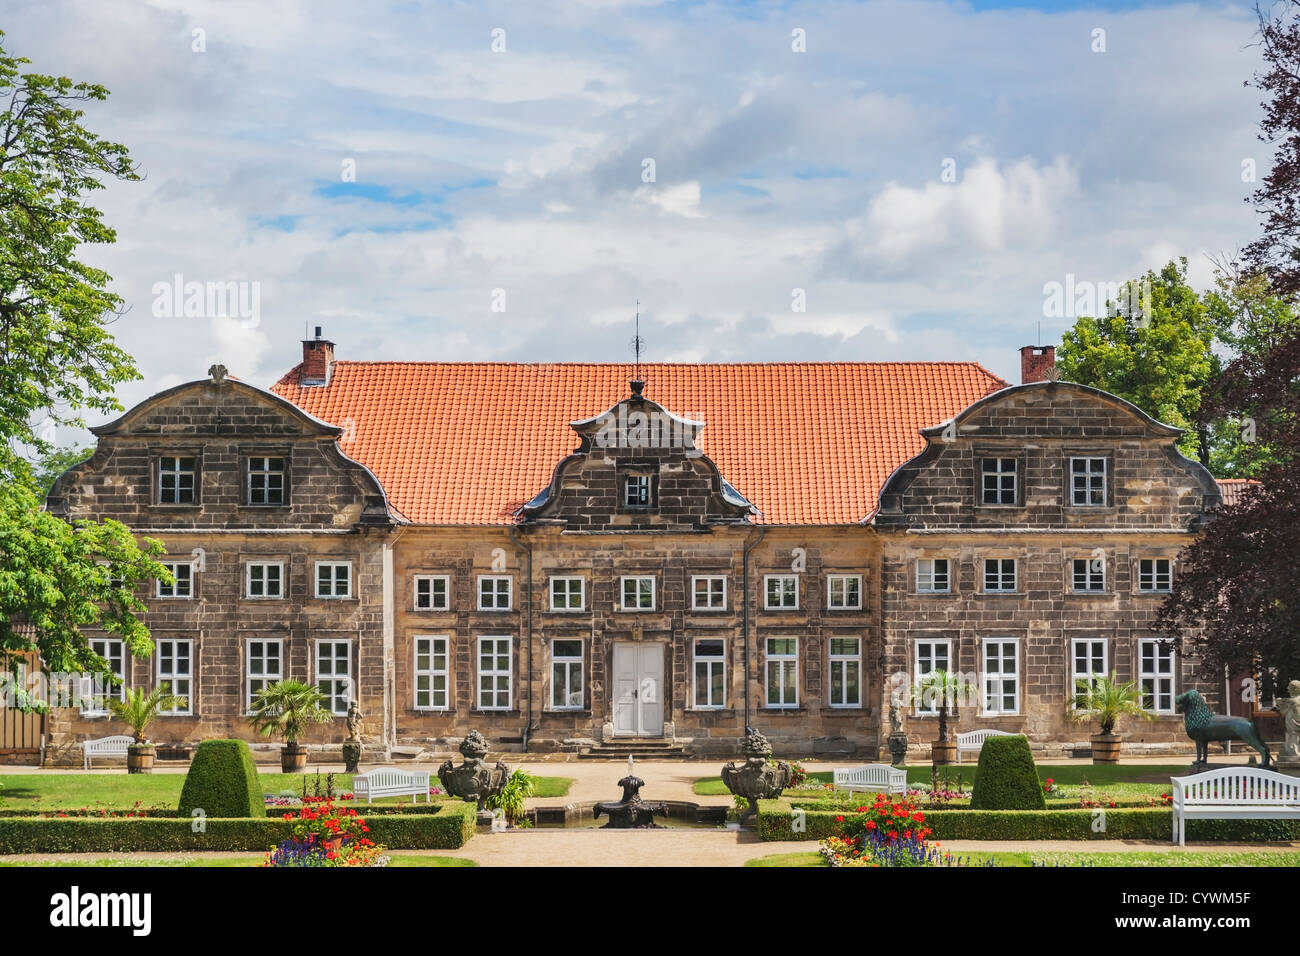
x=1006, y=778
x=510, y=800
x=222, y=782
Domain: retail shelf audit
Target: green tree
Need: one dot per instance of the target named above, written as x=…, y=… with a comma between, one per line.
x=57, y=357
x=1159, y=355
x=47, y=470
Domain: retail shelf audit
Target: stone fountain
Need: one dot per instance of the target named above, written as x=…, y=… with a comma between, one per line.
x=631, y=812
x=473, y=779
x=756, y=779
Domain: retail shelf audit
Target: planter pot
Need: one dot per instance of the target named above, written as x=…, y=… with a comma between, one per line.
x=333, y=844
x=942, y=752
x=1105, y=748
x=140, y=758
x=293, y=759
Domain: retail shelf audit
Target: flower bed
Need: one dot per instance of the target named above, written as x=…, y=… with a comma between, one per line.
x=326, y=835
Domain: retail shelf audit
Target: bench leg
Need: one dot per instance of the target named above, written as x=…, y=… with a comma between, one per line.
x=1182, y=831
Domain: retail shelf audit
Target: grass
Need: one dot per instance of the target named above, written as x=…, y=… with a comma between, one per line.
x=1153, y=777
x=227, y=861
x=120, y=790
x=1176, y=858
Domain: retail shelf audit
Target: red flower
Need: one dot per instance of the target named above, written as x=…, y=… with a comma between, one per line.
x=839, y=819
x=871, y=824
x=918, y=816
x=893, y=834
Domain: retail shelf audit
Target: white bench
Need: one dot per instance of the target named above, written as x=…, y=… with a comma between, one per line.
x=872, y=776
x=105, y=747
x=1243, y=793
x=388, y=782
x=973, y=740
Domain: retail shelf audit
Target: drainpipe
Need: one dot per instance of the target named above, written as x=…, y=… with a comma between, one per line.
x=745, y=610
x=528, y=629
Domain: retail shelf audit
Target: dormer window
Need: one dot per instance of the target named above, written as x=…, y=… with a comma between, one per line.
x=638, y=491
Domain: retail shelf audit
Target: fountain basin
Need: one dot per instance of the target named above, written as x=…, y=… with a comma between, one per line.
x=678, y=814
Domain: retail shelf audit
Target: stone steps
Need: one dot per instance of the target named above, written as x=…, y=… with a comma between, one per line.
x=639, y=749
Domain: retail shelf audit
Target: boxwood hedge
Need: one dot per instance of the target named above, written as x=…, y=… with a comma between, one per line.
x=222, y=782
x=1006, y=778
x=446, y=827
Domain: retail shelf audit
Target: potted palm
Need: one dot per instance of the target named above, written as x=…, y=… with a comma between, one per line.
x=138, y=710
x=1105, y=700
x=942, y=687
x=287, y=707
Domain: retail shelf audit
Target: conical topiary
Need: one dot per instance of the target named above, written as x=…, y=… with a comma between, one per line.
x=222, y=782
x=1006, y=778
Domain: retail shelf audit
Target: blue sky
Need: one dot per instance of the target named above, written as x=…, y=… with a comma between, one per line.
x=915, y=172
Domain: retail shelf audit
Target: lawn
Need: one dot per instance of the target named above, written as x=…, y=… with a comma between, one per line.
x=1137, y=858
x=1153, y=778
x=228, y=861
x=120, y=790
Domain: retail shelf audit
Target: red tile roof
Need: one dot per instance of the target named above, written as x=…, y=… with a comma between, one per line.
x=1234, y=489
x=469, y=443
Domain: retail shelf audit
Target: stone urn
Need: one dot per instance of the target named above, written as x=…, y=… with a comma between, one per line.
x=140, y=758
x=1105, y=748
x=473, y=780
x=756, y=779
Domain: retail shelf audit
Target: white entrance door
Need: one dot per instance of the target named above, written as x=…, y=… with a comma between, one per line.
x=638, y=690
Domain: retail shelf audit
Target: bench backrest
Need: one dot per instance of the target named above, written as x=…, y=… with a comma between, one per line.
x=108, y=744
x=973, y=737
x=1247, y=786
x=870, y=773
x=389, y=777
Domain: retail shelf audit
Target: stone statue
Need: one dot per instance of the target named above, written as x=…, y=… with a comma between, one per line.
x=354, y=721
x=897, y=739
x=1289, y=708
x=473, y=780
x=895, y=721
x=1203, y=725
x=757, y=779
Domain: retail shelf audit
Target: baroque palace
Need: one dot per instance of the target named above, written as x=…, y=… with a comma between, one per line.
x=569, y=562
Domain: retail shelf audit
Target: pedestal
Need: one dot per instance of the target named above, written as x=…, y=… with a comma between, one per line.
x=351, y=755
x=898, y=749
x=1288, y=765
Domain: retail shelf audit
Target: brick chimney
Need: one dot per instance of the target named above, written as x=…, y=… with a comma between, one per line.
x=317, y=359
x=1035, y=360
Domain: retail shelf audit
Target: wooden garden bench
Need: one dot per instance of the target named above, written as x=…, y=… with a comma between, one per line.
x=973, y=740
x=105, y=747
x=872, y=776
x=1239, y=793
x=389, y=782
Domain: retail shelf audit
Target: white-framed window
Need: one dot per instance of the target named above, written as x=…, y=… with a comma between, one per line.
x=637, y=593
x=1089, y=574
x=568, y=593
x=782, y=672
x=1088, y=662
x=846, y=671
x=930, y=655
x=176, y=479
x=334, y=674
x=933, y=576
x=710, y=692
x=495, y=592
x=432, y=592
x=264, y=579
x=334, y=579
x=844, y=592
x=265, y=481
x=432, y=672
x=1001, y=676
x=998, y=481
x=97, y=691
x=183, y=573
x=265, y=665
x=494, y=672
x=1155, y=575
x=1087, y=482
x=1156, y=675
x=781, y=592
x=638, y=491
x=566, y=674
x=999, y=574
x=709, y=592
x=176, y=669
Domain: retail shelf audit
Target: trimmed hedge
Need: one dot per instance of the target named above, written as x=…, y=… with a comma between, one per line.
x=222, y=782
x=446, y=828
x=776, y=822
x=1006, y=778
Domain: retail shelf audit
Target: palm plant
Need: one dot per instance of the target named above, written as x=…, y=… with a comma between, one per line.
x=1105, y=700
x=944, y=685
x=287, y=707
x=138, y=709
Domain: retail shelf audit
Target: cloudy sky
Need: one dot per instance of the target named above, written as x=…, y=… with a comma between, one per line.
x=473, y=181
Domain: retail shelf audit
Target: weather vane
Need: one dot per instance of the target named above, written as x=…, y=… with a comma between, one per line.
x=637, y=344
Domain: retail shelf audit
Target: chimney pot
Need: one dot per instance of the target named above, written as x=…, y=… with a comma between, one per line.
x=1035, y=360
